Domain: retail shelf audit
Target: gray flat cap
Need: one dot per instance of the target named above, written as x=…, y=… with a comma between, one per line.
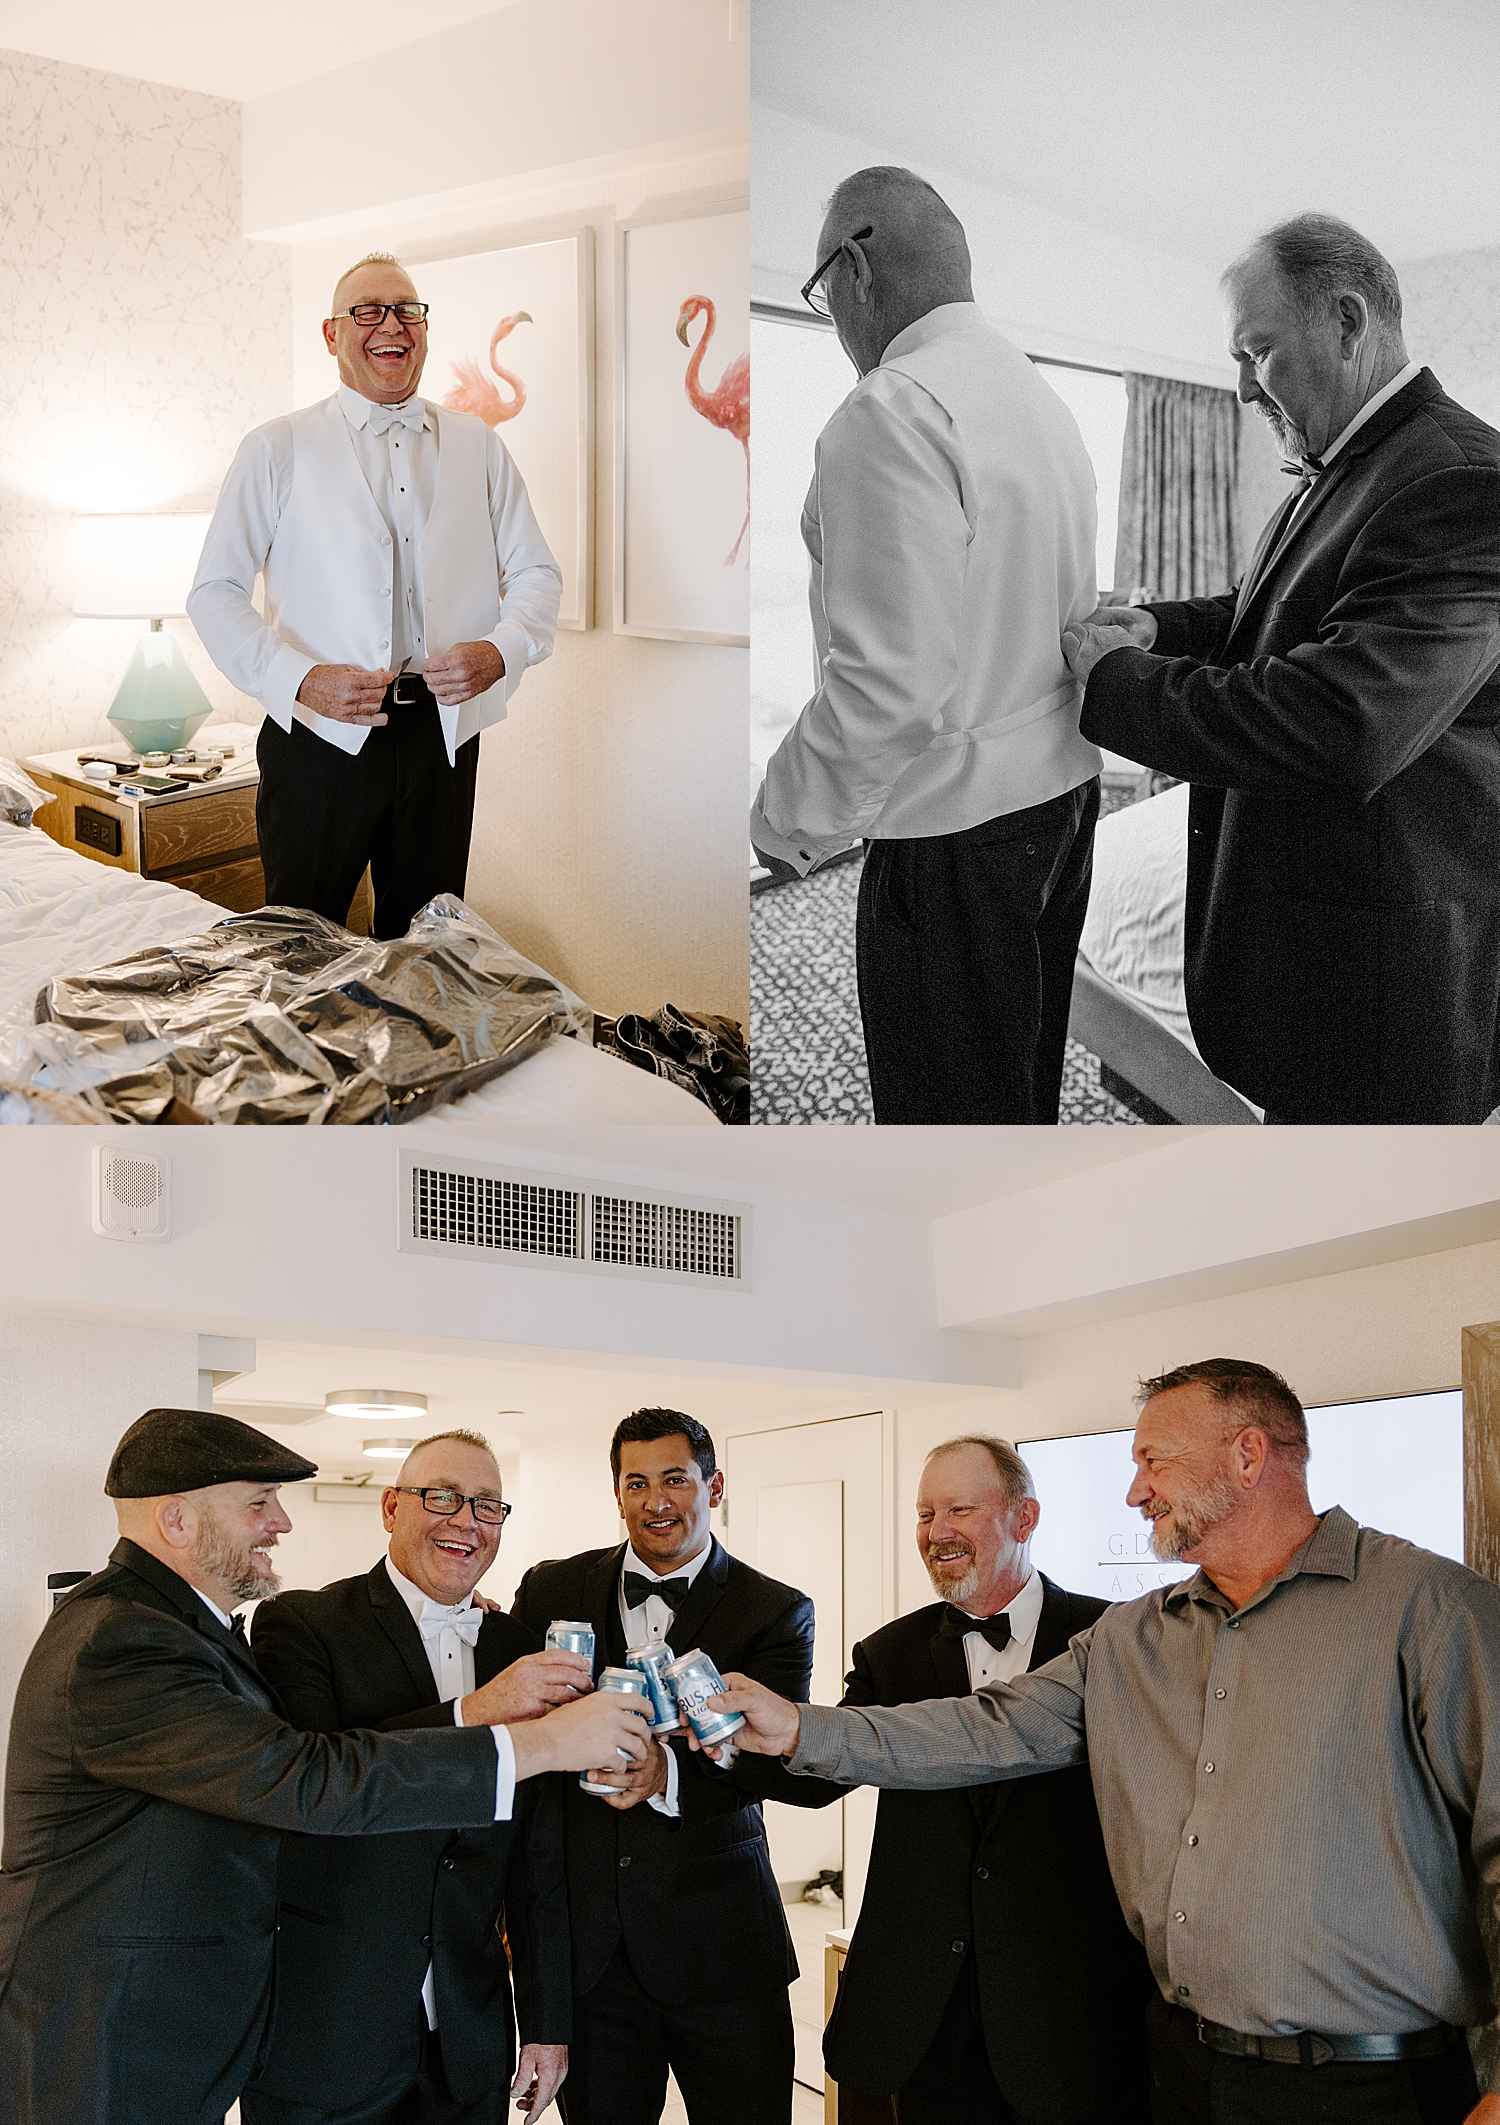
x=169, y=1450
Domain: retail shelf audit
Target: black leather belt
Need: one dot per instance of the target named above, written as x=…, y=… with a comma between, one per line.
x=1308, y=2049
x=407, y=690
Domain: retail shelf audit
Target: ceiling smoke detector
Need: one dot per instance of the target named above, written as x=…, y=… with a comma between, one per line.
x=387, y=1449
x=374, y=1402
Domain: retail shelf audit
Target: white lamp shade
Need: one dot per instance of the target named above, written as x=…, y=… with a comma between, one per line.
x=135, y=567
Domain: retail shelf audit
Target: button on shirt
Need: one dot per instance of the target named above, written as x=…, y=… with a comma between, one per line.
x=649, y=1622
x=1296, y=1797
x=988, y=1663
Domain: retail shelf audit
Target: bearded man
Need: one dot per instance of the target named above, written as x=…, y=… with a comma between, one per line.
x=150, y=1774
x=991, y=1976
x=1291, y=1755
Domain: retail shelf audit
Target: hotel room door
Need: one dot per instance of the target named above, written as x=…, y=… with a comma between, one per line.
x=808, y=1504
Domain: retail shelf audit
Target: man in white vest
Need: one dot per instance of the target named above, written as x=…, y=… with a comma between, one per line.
x=951, y=526
x=407, y=588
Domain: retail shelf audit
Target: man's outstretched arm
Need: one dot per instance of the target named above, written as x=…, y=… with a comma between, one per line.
x=1009, y=1730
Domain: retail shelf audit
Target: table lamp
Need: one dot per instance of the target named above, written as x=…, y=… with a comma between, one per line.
x=141, y=568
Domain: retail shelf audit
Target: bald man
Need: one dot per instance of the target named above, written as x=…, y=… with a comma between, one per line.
x=407, y=588
x=149, y=1776
x=951, y=530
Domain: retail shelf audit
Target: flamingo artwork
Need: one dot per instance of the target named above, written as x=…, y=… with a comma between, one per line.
x=727, y=405
x=474, y=393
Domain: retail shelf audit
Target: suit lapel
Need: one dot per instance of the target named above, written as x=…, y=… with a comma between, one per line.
x=703, y=1597
x=189, y=1605
x=602, y=1607
x=1264, y=547
x=396, y=1622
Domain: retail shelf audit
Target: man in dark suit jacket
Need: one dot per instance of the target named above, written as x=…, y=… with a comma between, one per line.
x=372, y=1931
x=1338, y=718
x=149, y=1775
x=991, y=1977
x=681, y=1955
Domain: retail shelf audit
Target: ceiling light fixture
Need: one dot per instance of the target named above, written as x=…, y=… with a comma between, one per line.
x=387, y=1449
x=374, y=1402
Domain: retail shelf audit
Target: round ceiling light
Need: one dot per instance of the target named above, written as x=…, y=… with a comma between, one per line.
x=374, y=1402
x=387, y=1449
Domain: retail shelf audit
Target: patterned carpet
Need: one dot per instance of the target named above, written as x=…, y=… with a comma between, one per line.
x=809, y=1052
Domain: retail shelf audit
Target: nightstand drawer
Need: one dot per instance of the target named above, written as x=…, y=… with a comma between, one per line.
x=180, y=837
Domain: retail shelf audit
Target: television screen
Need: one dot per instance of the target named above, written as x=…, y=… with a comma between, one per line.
x=1395, y=1464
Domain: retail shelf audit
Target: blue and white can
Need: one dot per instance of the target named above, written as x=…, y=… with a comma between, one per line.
x=624, y=1682
x=572, y=1638
x=694, y=1679
x=652, y=1660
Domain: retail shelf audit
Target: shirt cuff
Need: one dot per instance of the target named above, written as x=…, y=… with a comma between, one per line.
x=515, y=647
x=458, y=1713
x=667, y=1803
x=289, y=667
x=804, y=852
x=505, y=1774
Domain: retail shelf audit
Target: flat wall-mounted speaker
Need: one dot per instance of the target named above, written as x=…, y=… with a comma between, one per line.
x=132, y=1194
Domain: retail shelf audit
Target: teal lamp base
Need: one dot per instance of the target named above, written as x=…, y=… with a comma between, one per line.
x=159, y=705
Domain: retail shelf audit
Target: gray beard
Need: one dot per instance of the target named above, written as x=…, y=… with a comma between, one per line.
x=956, y=1590
x=1289, y=440
x=217, y=1557
x=1194, y=1519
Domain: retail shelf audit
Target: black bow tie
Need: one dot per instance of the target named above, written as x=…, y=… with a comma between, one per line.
x=639, y=1588
x=956, y=1624
x=237, y=1627
x=1304, y=468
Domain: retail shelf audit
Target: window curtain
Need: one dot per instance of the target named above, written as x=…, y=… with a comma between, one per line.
x=1177, y=532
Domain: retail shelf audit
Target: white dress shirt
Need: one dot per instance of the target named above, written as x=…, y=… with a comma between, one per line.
x=988, y=1663
x=950, y=527
x=348, y=584
x=647, y=1623
x=451, y=1658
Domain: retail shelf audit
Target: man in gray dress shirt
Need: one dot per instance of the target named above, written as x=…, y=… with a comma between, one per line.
x=1290, y=1752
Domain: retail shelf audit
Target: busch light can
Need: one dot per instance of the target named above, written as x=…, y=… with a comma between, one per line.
x=652, y=1660
x=694, y=1679
x=572, y=1638
x=625, y=1682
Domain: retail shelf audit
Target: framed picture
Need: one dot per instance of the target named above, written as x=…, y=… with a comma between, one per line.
x=682, y=429
x=510, y=337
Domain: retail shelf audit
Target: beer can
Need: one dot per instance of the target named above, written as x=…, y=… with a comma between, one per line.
x=694, y=1679
x=625, y=1682
x=652, y=1660
x=572, y=1638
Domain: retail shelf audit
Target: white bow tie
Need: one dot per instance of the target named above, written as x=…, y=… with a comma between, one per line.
x=411, y=415
x=435, y=1619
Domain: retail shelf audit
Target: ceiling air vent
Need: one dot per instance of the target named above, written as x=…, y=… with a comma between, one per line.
x=457, y=1209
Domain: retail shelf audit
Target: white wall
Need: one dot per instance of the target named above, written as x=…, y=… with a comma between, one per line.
x=143, y=335
x=1451, y=311
x=1049, y=283
x=68, y=1390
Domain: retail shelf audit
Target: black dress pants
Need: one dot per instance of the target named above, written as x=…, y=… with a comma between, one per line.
x=1191, y=2085
x=955, y=2080
x=732, y=2058
x=965, y=946
x=423, y=2101
x=321, y=815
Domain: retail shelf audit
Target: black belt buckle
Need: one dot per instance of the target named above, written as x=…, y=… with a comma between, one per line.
x=406, y=678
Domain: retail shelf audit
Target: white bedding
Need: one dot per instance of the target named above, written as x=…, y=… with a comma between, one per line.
x=60, y=913
x=1133, y=933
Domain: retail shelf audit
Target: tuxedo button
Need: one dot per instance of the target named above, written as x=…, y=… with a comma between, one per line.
x=426, y=1940
x=625, y=1862
x=983, y=1873
x=449, y=1865
x=958, y=1947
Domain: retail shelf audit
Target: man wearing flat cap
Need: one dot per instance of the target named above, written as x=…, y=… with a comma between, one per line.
x=150, y=1773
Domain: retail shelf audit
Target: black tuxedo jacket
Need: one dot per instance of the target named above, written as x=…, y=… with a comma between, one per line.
x=149, y=1775
x=694, y=1899
x=362, y=1917
x=1338, y=722
x=1014, y=1877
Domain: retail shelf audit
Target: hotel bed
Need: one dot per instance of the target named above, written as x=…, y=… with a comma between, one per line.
x=61, y=913
x=1129, y=1007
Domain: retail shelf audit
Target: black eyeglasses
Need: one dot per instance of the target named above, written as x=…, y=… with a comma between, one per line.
x=813, y=292
x=375, y=313
x=445, y=1503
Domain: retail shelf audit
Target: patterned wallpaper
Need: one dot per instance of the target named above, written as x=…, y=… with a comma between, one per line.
x=140, y=337
x=1451, y=308
x=68, y=1390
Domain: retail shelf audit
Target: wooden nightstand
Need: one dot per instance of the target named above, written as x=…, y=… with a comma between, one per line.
x=201, y=838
